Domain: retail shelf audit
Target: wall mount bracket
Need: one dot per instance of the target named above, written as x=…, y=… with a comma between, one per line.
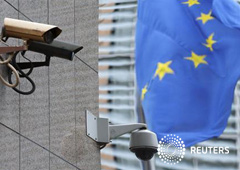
x=99, y=129
x=5, y=50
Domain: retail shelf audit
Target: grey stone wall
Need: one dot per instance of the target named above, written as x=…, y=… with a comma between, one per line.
x=53, y=117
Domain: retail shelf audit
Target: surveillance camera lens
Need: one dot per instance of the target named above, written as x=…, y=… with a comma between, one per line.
x=48, y=37
x=145, y=154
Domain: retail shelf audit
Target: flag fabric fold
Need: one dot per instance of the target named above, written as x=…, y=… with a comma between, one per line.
x=227, y=12
x=187, y=65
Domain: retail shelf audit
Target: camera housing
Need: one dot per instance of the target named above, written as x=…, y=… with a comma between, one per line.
x=144, y=144
x=29, y=30
x=38, y=38
x=57, y=48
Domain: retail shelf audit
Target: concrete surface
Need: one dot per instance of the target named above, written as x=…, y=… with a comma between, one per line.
x=54, y=115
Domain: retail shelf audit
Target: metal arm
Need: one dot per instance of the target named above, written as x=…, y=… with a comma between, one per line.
x=118, y=130
x=100, y=131
x=11, y=51
x=4, y=50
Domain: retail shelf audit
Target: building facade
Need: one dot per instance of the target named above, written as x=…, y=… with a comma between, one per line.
x=46, y=130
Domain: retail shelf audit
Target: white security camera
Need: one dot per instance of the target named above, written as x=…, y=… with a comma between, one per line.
x=142, y=142
x=29, y=30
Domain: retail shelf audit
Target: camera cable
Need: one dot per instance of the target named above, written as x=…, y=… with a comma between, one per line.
x=7, y=63
x=22, y=75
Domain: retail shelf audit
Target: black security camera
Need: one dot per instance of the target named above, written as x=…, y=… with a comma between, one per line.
x=58, y=49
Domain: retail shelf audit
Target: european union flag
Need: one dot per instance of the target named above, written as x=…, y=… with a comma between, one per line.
x=187, y=65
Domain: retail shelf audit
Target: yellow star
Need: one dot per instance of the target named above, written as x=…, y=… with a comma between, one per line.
x=144, y=91
x=210, y=42
x=162, y=69
x=191, y=2
x=197, y=59
x=205, y=17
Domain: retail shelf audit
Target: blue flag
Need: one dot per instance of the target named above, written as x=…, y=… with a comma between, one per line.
x=187, y=65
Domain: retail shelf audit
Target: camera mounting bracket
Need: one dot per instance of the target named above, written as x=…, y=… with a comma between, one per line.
x=29, y=65
x=102, y=132
x=9, y=49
